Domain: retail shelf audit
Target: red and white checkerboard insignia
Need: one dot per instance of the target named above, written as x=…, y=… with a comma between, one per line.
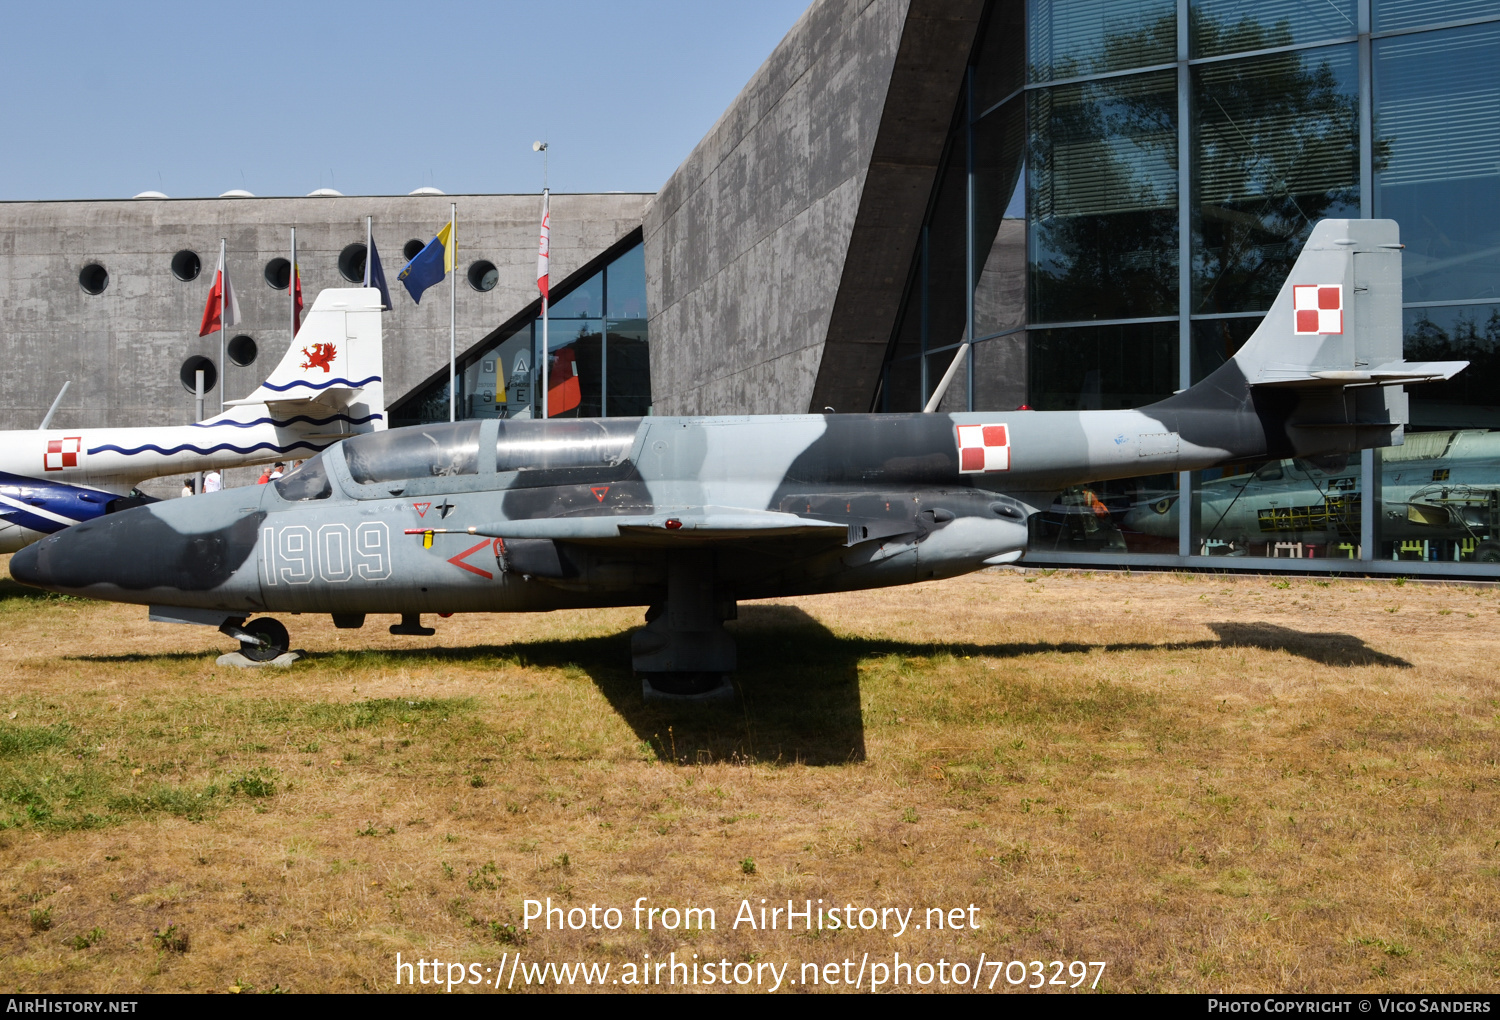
x=1318, y=307
x=983, y=448
x=62, y=453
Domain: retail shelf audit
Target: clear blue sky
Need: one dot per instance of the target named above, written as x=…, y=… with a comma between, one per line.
x=107, y=100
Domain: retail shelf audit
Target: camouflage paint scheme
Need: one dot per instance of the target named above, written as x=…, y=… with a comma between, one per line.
x=691, y=514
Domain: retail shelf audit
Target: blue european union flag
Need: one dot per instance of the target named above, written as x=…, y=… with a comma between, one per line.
x=375, y=276
x=430, y=266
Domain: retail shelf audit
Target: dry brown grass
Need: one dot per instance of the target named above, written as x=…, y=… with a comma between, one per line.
x=1210, y=783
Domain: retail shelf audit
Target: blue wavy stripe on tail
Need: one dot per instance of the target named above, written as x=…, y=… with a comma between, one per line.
x=285, y=422
x=322, y=385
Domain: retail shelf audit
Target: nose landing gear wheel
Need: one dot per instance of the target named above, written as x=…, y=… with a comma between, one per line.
x=272, y=640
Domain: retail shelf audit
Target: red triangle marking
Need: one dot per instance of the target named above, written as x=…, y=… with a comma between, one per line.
x=421, y=508
x=599, y=491
x=458, y=561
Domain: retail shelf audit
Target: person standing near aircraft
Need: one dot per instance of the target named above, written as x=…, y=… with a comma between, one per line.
x=213, y=481
x=187, y=487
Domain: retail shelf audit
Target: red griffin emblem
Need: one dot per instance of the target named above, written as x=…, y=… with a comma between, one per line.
x=320, y=356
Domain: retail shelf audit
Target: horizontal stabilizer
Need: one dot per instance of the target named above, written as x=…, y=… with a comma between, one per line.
x=1391, y=374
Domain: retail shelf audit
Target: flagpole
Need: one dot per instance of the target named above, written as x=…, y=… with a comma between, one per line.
x=453, y=313
x=223, y=293
x=546, y=299
x=291, y=290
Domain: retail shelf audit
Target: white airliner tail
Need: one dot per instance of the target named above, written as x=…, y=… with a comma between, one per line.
x=334, y=366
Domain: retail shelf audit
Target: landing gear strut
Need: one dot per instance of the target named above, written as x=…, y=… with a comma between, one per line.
x=261, y=640
x=684, y=651
x=411, y=625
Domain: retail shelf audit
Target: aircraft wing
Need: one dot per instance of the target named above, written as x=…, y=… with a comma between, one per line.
x=689, y=525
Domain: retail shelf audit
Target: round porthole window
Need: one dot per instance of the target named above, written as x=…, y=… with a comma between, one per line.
x=242, y=350
x=411, y=248
x=93, y=278
x=189, y=373
x=483, y=276
x=352, y=263
x=278, y=274
x=186, y=265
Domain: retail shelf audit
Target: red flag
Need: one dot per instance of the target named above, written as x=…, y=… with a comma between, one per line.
x=563, y=391
x=544, y=249
x=296, y=300
x=222, y=294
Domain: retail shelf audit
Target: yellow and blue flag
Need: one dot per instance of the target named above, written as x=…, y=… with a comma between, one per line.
x=431, y=264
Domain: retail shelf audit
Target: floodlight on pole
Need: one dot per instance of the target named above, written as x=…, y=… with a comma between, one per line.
x=546, y=158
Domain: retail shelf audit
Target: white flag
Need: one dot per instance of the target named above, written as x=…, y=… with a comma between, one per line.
x=543, y=250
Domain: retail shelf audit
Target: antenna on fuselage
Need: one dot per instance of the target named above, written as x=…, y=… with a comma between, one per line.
x=947, y=380
x=47, y=418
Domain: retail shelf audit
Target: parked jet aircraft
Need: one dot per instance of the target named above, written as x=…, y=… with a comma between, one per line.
x=327, y=387
x=1435, y=487
x=689, y=515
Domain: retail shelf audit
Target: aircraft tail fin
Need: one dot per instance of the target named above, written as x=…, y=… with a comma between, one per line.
x=333, y=372
x=1331, y=342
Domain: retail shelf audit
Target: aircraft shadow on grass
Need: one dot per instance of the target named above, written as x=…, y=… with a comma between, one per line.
x=798, y=682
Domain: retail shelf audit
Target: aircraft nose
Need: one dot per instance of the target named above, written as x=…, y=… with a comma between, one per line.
x=136, y=550
x=26, y=568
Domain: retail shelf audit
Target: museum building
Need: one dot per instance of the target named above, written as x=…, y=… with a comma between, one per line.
x=1103, y=195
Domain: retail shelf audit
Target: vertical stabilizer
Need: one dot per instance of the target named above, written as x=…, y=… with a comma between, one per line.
x=335, y=361
x=1326, y=362
x=1338, y=312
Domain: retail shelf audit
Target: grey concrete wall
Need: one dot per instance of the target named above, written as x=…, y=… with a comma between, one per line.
x=776, y=254
x=746, y=242
x=123, y=348
x=926, y=82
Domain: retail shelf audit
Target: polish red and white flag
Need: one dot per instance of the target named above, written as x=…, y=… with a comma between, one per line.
x=220, y=297
x=544, y=248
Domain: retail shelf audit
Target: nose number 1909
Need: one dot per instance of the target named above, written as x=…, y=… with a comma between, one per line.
x=335, y=553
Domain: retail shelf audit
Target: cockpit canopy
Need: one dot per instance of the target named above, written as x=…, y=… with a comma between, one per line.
x=421, y=451
x=452, y=448
x=548, y=445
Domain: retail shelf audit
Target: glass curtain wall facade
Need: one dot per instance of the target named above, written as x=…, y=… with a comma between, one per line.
x=600, y=365
x=1125, y=188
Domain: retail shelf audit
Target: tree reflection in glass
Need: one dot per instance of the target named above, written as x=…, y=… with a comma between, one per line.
x=1102, y=197
x=1277, y=140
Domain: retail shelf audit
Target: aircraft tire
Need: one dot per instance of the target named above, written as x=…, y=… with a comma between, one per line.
x=1487, y=552
x=276, y=639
